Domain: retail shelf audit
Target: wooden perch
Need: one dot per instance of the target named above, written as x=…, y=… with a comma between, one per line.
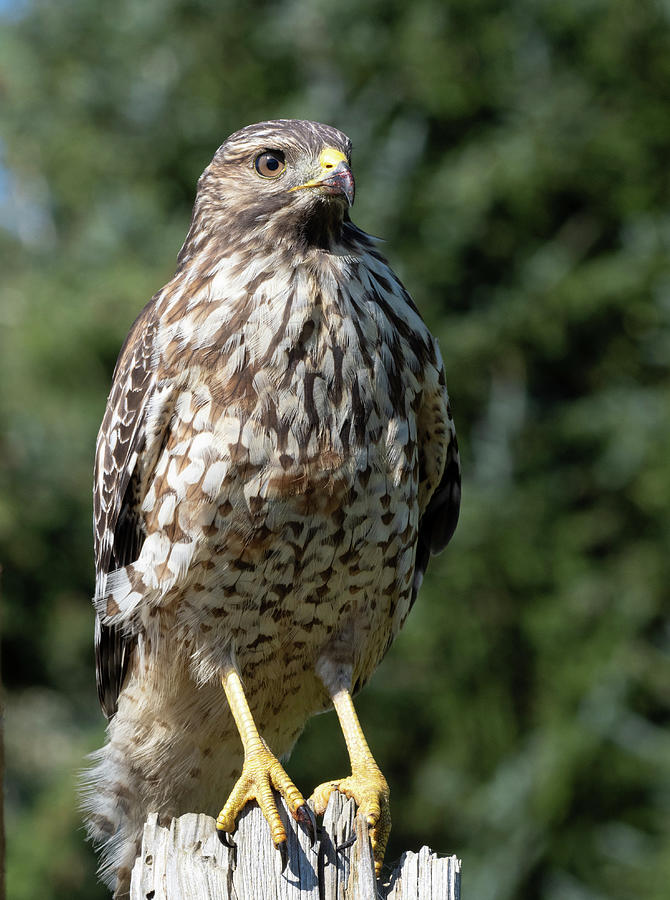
x=188, y=862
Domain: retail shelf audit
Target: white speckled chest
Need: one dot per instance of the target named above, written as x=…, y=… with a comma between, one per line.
x=288, y=485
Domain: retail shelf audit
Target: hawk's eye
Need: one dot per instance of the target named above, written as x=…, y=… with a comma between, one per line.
x=270, y=164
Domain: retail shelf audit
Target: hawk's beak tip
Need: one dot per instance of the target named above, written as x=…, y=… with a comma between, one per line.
x=342, y=181
x=337, y=180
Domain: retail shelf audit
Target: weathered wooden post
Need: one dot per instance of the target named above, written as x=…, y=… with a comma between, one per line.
x=187, y=862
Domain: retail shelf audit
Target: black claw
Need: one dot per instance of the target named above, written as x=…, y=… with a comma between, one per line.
x=225, y=839
x=305, y=817
x=346, y=844
x=283, y=853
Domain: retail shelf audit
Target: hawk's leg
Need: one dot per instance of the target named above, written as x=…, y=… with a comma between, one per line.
x=261, y=772
x=366, y=784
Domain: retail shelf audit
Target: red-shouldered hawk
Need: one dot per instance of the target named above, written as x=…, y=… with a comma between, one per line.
x=276, y=463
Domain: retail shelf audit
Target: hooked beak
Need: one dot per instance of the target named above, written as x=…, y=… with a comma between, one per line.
x=335, y=177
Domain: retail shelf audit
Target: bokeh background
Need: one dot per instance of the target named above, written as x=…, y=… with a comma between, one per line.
x=516, y=158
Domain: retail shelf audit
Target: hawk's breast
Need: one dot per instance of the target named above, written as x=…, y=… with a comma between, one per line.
x=305, y=405
x=286, y=495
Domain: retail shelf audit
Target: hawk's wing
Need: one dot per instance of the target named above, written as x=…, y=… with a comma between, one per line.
x=438, y=523
x=116, y=505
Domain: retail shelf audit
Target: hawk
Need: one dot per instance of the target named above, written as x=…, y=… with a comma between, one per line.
x=276, y=464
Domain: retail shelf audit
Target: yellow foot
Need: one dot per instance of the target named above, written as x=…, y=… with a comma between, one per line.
x=262, y=772
x=369, y=789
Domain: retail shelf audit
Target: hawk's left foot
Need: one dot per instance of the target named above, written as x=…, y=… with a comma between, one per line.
x=366, y=785
x=370, y=791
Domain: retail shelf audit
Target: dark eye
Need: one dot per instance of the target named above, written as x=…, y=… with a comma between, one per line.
x=270, y=164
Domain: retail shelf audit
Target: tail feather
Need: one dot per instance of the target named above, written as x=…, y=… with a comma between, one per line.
x=114, y=819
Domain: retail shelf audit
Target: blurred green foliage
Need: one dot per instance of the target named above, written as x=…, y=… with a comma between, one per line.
x=515, y=157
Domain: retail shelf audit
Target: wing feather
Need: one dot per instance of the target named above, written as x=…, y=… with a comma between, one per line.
x=116, y=502
x=438, y=522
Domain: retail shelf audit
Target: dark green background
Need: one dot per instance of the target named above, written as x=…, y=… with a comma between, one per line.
x=515, y=156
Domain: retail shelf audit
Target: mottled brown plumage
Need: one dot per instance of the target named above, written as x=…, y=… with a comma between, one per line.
x=276, y=464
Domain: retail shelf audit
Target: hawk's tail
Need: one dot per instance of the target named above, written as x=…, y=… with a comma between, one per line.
x=114, y=816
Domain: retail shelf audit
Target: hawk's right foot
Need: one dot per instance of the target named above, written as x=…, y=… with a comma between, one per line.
x=262, y=772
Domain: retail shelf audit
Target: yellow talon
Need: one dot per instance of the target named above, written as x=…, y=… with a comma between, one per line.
x=366, y=785
x=261, y=772
x=370, y=791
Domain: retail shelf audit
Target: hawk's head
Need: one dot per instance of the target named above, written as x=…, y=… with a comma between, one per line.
x=284, y=180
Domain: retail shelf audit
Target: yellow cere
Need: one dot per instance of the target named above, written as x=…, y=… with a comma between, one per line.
x=330, y=157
